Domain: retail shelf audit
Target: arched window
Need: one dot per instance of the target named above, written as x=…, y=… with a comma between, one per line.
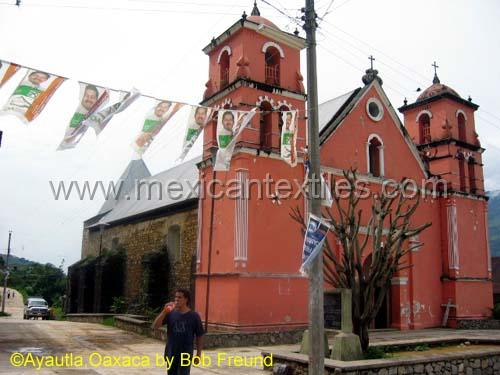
x=174, y=242
x=472, y=176
x=461, y=172
x=266, y=126
x=461, y=128
x=283, y=108
x=272, y=57
x=375, y=155
x=224, y=69
x=424, y=126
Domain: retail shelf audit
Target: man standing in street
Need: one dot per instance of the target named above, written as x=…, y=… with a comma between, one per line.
x=183, y=324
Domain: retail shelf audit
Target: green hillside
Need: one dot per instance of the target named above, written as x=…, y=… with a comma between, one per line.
x=494, y=222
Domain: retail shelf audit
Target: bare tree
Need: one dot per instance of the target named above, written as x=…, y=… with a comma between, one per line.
x=385, y=236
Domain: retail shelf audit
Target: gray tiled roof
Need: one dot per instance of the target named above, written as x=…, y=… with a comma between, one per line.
x=173, y=186
x=136, y=170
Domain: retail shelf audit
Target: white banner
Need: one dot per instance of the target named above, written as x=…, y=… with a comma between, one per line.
x=198, y=118
x=230, y=125
x=7, y=70
x=32, y=94
x=92, y=98
x=100, y=119
x=156, y=118
x=289, y=137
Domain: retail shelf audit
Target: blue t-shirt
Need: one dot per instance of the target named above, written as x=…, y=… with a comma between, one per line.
x=181, y=330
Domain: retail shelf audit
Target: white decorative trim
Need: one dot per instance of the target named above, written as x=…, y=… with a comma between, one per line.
x=275, y=45
x=453, y=254
x=241, y=218
x=200, y=222
x=423, y=112
x=380, y=108
x=225, y=49
x=381, y=153
x=459, y=111
x=283, y=103
x=263, y=99
x=399, y=281
x=486, y=229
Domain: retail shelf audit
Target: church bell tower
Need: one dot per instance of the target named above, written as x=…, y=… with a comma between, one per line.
x=249, y=254
x=442, y=126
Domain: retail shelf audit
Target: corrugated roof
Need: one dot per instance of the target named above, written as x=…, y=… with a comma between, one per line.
x=170, y=187
x=329, y=109
x=136, y=170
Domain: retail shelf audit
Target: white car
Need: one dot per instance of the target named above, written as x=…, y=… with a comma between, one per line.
x=36, y=307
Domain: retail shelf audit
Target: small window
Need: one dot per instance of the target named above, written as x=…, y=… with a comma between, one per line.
x=174, y=242
x=374, y=109
x=461, y=128
x=375, y=157
x=424, y=125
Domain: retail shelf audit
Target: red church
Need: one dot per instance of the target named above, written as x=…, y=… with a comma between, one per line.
x=249, y=249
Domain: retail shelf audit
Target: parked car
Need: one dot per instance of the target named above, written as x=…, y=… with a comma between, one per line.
x=36, y=307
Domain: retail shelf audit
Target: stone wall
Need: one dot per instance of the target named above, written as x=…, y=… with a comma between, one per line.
x=479, y=362
x=139, y=237
x=478, y=324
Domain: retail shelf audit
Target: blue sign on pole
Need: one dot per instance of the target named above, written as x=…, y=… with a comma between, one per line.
x=313, y=241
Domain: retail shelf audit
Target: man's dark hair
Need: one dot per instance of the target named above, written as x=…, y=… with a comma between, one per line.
x=198, y=108
x=186, y=293
x=92, y=88
x=39, y=72
x=228, y=113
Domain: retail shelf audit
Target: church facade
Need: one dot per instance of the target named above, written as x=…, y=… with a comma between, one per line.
x=241, y=255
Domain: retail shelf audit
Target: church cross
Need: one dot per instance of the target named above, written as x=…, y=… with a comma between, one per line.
x=435, y=68
x=372, y=59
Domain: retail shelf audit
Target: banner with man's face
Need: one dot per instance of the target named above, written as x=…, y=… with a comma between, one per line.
x=32, y=94
x=289, y=137
x=230, y=125
x=197, y=120
x=156, y=118
x=7, y=70
x=102, y=117
x=91, y=99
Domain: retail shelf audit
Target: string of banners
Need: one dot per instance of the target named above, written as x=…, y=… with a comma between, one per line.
x=98, y=105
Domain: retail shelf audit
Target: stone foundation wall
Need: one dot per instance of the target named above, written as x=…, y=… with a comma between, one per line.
x=211, y=340
x=478, y=324
x=485, y=362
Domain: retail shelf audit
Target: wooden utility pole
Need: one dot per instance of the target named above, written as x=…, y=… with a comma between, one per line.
x=316, y=318
x=6, y=273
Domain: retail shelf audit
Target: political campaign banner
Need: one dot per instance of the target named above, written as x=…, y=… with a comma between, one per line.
x=230, y=125
x=91, y=99
x=314, y=238
x=32, y=94
x=101, y=118
x=198, y=118
x=7, y=70
x=156, y=118
x=289, y=137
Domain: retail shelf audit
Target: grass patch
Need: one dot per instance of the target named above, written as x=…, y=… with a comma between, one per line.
x=57, y=313
x=4, y=314
x=110, y=321
x=375, y=352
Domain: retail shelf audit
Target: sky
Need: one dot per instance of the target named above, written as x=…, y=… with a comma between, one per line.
x=155, y=46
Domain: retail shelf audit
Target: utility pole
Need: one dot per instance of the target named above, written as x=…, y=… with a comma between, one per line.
x=316, y=318
x=6, y=273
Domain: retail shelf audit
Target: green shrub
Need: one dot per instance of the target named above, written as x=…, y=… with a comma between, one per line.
x=110, y=322
x=496, y=311
x=375, y=352
x=119, y=305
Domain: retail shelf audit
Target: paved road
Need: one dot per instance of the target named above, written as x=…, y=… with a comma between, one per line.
x=57, y=338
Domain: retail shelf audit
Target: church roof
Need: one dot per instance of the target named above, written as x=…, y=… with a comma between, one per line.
x=437, y=88
x=148, y=199
x=329, y=110
x=136, y=170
